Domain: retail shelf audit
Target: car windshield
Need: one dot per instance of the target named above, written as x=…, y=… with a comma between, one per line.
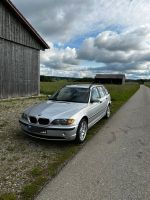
x=72, y=94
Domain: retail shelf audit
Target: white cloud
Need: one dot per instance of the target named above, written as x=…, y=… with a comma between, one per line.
x=60, y=62
x=63, y=20
x=126, y=49
x=115, y=52
x=123, y=44
x=59, y=58
x=126, y=41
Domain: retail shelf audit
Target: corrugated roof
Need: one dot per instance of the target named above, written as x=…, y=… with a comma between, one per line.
x=120, y=76
x=18, y=14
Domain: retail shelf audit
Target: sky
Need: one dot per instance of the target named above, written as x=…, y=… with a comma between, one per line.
x=92, y=36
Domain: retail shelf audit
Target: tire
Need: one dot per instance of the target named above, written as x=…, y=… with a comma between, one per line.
x=82, y=131
x=107, y=112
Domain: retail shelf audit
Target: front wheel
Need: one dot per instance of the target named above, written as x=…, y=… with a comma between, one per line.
x=108, y=112
x=82, y=131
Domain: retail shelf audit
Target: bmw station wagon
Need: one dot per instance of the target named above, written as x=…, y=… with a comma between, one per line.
x=68, y=114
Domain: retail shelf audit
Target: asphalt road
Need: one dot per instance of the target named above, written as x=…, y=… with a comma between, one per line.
x=115, y=164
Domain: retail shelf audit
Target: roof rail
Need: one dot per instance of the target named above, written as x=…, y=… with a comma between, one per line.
x=91, y=84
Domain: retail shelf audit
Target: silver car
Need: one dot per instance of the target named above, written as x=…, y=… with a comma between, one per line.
x=68, y=114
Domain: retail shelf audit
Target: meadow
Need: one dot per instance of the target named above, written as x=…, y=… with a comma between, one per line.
x=51, y=87
x=27, y=164
x=147, y=84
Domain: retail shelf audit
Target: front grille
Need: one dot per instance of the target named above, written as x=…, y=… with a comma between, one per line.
x=33, y=120
x=43, y=121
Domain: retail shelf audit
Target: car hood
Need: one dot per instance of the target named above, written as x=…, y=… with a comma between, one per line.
x=53, y=109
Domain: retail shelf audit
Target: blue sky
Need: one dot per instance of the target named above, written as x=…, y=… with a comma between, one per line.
x=92, y=36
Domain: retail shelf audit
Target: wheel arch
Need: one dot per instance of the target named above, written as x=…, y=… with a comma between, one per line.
x=78, y=134
x=86, y=118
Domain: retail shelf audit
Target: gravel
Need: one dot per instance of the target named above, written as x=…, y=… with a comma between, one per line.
x=20, y=154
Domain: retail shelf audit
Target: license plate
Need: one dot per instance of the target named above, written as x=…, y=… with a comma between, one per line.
x=37, y=129
x=43, y=132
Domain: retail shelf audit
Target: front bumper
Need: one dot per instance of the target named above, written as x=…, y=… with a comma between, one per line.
x=49, y=133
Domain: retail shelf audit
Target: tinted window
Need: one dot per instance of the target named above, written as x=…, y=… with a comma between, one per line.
x=72, y=94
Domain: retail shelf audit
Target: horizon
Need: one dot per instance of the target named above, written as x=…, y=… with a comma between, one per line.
x=67, y=77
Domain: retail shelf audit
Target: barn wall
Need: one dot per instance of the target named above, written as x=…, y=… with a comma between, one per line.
x=19, y=70
x=13, y=30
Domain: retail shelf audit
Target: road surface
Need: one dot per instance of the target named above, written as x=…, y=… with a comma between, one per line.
x=115, y=164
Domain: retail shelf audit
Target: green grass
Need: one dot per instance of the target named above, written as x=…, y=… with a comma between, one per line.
x=8, y=196
x=51, y=87
x=29, y=191
x=37, y=171
x=120, y=94
x=39, y=176
x=147, y=84
x=42, y=176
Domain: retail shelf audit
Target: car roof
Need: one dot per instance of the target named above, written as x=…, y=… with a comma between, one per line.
x=83, y=85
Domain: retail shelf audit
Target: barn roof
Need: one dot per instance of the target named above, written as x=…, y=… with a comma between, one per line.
x=113, y=76
x=23, y=20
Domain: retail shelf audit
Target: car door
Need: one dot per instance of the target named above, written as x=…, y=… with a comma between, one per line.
x=103, y=99
x=94, y=108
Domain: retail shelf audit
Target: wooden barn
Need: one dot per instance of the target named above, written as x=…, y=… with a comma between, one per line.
x=110, y=78
x=20, y=47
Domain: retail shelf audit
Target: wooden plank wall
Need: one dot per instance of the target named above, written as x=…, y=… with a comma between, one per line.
x=13, y=30
x=19, y=73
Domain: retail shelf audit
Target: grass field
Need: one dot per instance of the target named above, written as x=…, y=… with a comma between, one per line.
x=27, y=164
x=51, y=87
x=120, y=94
x=147, y=84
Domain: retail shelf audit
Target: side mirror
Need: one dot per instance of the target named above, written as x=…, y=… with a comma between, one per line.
x=49, y=97
x=94, y=100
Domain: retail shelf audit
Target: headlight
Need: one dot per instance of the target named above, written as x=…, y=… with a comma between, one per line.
x=63, y=121
x=24, y=116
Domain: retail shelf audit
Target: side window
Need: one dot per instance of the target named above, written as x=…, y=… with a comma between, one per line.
x=101, y=92
x=95, y=93
x=105, y=90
